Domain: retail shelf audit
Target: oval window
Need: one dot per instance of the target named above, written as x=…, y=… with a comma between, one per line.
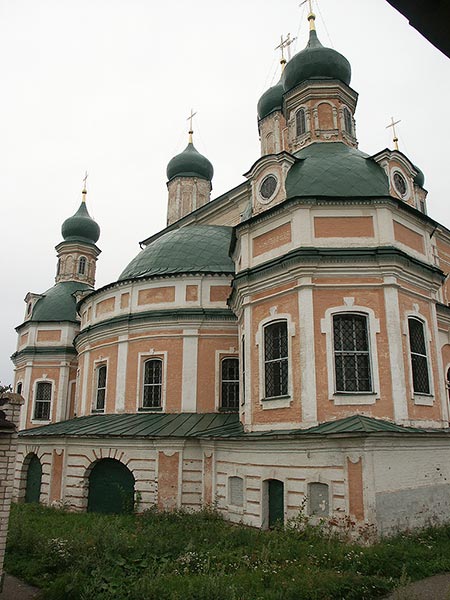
x=400, y=184
x=268, y=187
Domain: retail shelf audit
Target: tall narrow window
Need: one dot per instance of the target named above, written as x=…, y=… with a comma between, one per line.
x=300, y=122
x=82, y=265
x=276, y=359
x=419, y=360
x=229, y=384
x=351, y=354
x=42, y=401
x=100, y=394
x=19, y=387
x=347, y=121
x=447, y=383
x=151, y=397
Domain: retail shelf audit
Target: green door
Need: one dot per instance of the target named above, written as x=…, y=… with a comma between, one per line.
x=34, y=480
x=276, y=502
x=111, y=488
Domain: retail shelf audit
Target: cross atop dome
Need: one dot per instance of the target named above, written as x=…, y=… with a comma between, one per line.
x=191, y=130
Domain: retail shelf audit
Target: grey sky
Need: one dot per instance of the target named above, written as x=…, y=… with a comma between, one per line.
x=107, y=85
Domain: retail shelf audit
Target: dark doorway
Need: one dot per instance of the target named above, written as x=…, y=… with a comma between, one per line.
x=276, y=502
x=111, y=488
x=34, y=480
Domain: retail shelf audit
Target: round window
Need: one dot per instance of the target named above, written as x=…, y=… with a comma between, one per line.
x=400, y=184
x=268, y=187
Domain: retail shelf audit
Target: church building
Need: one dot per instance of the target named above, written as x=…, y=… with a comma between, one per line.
x=283, y=347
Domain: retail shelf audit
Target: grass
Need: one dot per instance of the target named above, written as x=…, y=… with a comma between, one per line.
x=181, y=556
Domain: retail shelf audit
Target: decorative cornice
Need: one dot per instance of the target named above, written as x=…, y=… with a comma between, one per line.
x=43, y=350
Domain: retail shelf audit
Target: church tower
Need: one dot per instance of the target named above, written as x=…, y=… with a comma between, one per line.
x=189, y=177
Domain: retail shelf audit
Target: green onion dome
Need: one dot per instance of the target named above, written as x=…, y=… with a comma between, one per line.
x=315, y=62
x=333, y=169
x=192, y=249
x=190, y=163
x=419, y=179
x=80, y=227
x=271, y=100
x=58, y=303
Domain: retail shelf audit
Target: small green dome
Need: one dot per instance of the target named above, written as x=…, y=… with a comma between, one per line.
x=190, y=163
x=191, y=249
x=316, y=62
x=271, y=100
x=334, y=169
x=80, y=227
x=419, y=179
x=58, y=303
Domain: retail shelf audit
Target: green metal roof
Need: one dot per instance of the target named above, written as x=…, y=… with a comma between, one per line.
x=191, y=249
x=58, y=303
x=334, y=169
x=81, y=227
x=183, y=425
x=190, y=163
x=271, y=100
x=144, y=425
x=316, y=62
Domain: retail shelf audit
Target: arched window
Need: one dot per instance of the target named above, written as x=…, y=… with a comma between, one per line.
x=419, y=359
x=82, y=265
x=447, y=383
x=300, y=122
x=347, y=121
x=19, y=388
x=152, y=389
x=351, y=353
x=100, y=392
x=229, y=384
x=58, y=267
x=42, y=401
x=276, y=359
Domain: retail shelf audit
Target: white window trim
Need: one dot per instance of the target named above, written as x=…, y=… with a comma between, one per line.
x=99, y=362
x=142, y=357
x=420, y=399
x=35, y=384
x=373, y=328
x=282, y=401
x=326, y=481
x=220, y=355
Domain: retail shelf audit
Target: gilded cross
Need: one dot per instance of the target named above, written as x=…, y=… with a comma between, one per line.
x=285, y=44
x=84, y=182
x=393, y=124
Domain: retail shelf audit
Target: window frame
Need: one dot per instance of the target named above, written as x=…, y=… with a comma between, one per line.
x=34, y=418
x=348, y=120
x=141, y=383
x=420, y=398
x=339, y=373
x=373, y=329
x=274, y=402
x=300, y=110
x=82, y=260
x=236, y=383
x=95, y=408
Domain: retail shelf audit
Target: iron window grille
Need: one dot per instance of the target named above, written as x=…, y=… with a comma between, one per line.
x=351, y=354
x=230, y=384
x=43, y=401
x=276, y=359
x=101, y=388
x=152, y=392
x=82, y=266
x=419, y=359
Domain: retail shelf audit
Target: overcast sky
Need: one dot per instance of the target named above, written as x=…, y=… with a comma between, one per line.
x=107, y=85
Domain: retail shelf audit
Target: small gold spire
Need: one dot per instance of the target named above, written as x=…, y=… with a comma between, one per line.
x=393, y=124
x=191, y=130
x=84, y=190
x=311, y=15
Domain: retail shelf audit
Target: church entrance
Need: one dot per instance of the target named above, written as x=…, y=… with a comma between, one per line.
x=111, y=488
x=34, y=480
x=276, y=502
